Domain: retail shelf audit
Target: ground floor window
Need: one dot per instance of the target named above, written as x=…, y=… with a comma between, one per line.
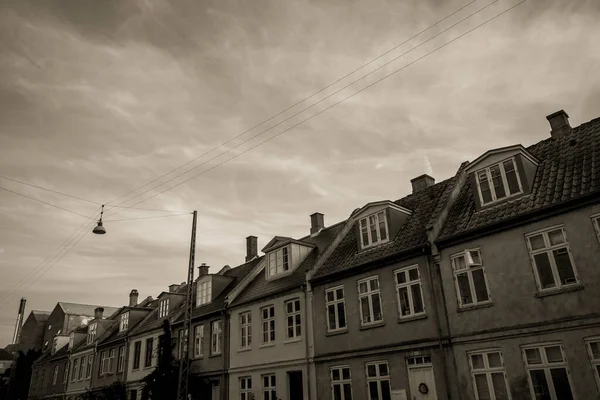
x=378, y=380
x=246, y=388
x=133, y=395
x=547, y=372
x=593, y=347
x=488, y=374
x=341, y=383
x=269, y=387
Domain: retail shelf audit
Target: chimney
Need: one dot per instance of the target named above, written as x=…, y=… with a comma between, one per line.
x=133, y=298
x=317, y=222
x=173, y=288
x=559, y=124
x=421, y=182
x=251, y=247
x=203, y=269
x=98, y=313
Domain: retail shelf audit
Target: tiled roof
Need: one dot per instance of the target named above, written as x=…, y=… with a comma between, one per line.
x=85, y=309
x=569, y=169
x=41, y=316
x=424, y=206
x=260, y=287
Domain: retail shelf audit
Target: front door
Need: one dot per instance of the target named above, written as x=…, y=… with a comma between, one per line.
x=422, y=383
x=295, y=385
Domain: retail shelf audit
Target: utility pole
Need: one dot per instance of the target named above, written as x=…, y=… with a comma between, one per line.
x=184, y=362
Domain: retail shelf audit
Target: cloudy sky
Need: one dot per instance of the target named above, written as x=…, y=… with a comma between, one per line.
x=98, y=98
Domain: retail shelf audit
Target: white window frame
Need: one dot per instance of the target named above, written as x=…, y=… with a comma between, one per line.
x=546, y=366
x=216, y=333
x=124, y=324
x=268, y=321
x=88, y=370
x=138, y=354
x=82, y=366
x=74, y=369
x=488, y=173
x=103, y=363
x=378, y=377
x=121, y=359
x=488, y=371
x=471, y=265
x=341, y=382
x=596, y=222
x=334, y=303
x=594, y=361
x=92, y=330
x=271, y=389
x=409, y=284
x=55, y=375
x=245, y=388
x=294, y=315
x=245, y=330
x=549, y=249
x=163, y=309
x=370, y=293
x=204, y=292
x=364, y=226
x=279, y=261
x=198, y=339
x=149, y=340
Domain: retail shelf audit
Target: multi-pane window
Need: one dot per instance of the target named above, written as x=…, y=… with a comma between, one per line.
x=103, y=363
x=92, y=329
x=245, y=329
x=336, y=308
x=88, y=371
x=74, y=370
x=204, y=292
x=593, y=347
x=121, y=362
x=293, y=318
x=111, y=360
x=268, y=324
x=378, y=380
x=246, y=388
x=269, y=387
x=547, y=372
x=409, y=291
x=137, y=353
x=370, y=301
x=489, y=377
x=341, y=383
x=279, y=261
x=148, y=354
x=82, y=365
x=163, y=308
x=498, y=181
x=552, y=262
x=216, y=337
x=596, y=222
x=198, y=339
x=66, y=373
x=55, y=375
x=374, y=229
x=470, y=279
x=124, y=322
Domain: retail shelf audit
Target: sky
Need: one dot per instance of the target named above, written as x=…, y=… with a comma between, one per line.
x=99, y=98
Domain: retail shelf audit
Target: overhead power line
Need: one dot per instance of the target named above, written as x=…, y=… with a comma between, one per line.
x=44, y=202
x=50, y=190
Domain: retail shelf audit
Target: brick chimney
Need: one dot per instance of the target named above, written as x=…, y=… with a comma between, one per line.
x=133, y=298
x=317, y=222
x=251, y=247
x=98, y=313
x=421, y=182
x=203, y=269
x=173, y=288
x=559, y=124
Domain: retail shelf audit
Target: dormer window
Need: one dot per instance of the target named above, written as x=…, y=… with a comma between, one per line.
x=374, y=229
x=163, y=308
x=204, y=292
x=54, y=345
x=279, y=261
x=92, y=329
x=71, y=341
x=124, y=322
x=498, y=181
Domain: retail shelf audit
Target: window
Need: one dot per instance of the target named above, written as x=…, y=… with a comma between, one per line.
x=72, y=341
x=216, y=337
x=374, y=229
x=498, y=181
x=133, y=395
x=82, y=366
x=596, y=222
x=269, y=387
x=593, y=347
x=54, y=345
x=279, y=261
x=409, y=291
x=163, y=308
x=547, y=372
x=378, y=380
x=294, y=319
x=55, y=375
x=88, y=370
x=124, y=322
x=268, y=324
x=336, y=308
x=66, y=373
x=341, y=383
x=92, y=329
x=148, y=354
x=74, y=370
x=246, y=329
x=121, y=362
x=470, y=279
x=370, y=301
x=246, y=388
x=489, y=377
x=204, y=292
x=198, y=338
x=103, y=363
x=137, y=350
x=111, y=360
x=551, y=257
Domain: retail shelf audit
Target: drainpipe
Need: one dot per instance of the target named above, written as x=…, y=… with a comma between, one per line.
x=310, y=366
x=224, y=394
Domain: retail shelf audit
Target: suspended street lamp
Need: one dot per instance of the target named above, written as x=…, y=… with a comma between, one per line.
x=99, y=229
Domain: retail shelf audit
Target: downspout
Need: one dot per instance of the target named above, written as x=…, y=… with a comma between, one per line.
x=310, y=349
x=226, y=350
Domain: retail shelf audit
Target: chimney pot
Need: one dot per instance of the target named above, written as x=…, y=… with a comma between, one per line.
x=317, y=222
x=251, y=247
x=98, y=312
x=559, y=124
x=421, y=182
x=203, y=269
x=133, y=298
x=173, y=288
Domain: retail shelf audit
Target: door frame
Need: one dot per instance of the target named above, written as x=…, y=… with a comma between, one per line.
x=411, y=384
x=289, y=381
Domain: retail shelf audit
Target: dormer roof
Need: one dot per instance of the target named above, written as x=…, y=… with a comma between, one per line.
x=280, y=241
x=496, y=155
x=368, y=208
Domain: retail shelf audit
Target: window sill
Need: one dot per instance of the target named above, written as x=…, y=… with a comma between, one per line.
x=551, y=292
x=214, y=355
x=475, y=306
x=244, y=349
x=293, y=340
x=372, y=325
x=265, y=345
x=337, y=332
x=411, y=318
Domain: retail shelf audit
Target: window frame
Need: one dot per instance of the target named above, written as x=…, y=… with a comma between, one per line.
x=245, y=390
x=490, y=181
x=546, y=366
x=334, y=303
x=198, y=339
x=74, y=369
x=341, y=382
x=82, y=365
x=124, y=322
x=488, y=371
x=270, y=390
x=148, y=355
x=137, y=355
x=549, y=249
x=270, y=319
x=369, y=294
x=594, y=362
x=92, y=331
x=204, y=295
x=408, y=285
x=103, y=363
x=469, y=271
x=366, y=228
x=596, y=222
x=55, y=375
x=296, y=326
x=163, y=308
x=216, y=337
x=88, y=371
x=378, y=378
x=273, y=267
x=121, y=359
x=245, y=319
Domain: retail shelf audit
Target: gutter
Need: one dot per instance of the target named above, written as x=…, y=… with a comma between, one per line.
x=309, y=330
